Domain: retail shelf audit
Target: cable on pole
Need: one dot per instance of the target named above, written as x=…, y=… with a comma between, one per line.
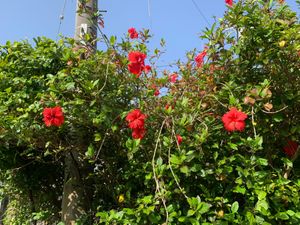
x=61, y=17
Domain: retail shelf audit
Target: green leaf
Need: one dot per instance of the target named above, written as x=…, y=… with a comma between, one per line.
x=70, y=85
x=297, y=214
x=232, y=100
x=159, y=161
x=235, y=207
x=114, y=128
x=166, y=141
x=185, y=102
x=190, y=212
x=282, y=216
x=204, y=207
x=90, y=152
x=216, y=154
x=181, y=219
x=262, y=206
x=184, y=169
x=112, y=40
x=250, y=218
x=262, y=161
x=175, y=160
x=97, y=137
x=287, y=162
x=240, y=189
x=193, y=221
x=290, y=212
x=233, y=146
x=278, y=118
x=261, y=194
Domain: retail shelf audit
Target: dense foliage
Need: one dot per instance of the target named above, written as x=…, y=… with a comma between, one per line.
x=217, y=146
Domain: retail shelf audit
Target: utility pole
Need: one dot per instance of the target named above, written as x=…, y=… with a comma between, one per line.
x=75, y=200
x=86, y=21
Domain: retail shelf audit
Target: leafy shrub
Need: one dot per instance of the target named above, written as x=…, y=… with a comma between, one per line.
x=184, y=162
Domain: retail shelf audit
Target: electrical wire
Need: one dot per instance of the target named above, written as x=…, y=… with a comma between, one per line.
x=61, y=17
x=149, y=14
x=200, y=12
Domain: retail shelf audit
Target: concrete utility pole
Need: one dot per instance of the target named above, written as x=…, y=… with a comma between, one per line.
x=75, y=201
x=86, y=21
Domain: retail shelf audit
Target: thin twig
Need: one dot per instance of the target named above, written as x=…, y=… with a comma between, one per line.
x=169, y=162
x=275, y=111
x=225, y=85
x=99, y=150
x=106, y=75
x=21, y=167
x=105, y=135
x=158, y=188
x=216, y=100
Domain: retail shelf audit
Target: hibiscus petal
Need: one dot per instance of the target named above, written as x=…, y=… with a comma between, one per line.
x=240, y=125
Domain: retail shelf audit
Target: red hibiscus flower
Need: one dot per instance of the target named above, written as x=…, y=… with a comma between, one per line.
x=136, y=68
x=291, y=148
x=132, y=33
x=137, y=57
x=53, y=116
x=147, y=69
x=200, y=58
x=136, y=119
x=138, y=133
x=234, y=120
x=173, y=77
x=229, y=2
x=137, y=62
x=179, y=139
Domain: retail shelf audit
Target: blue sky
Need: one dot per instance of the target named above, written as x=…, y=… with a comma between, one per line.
x=179, y=22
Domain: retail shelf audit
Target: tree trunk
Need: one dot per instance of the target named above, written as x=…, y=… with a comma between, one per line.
x=3, y=207
x=73, y=201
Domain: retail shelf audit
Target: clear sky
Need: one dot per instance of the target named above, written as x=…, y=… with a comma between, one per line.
x=179, y=22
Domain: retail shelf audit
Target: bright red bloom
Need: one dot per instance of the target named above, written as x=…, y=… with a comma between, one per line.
x=53, y=116
x=173, y=77
x=291, y=148
x=200, y=58
x=137, y=57
x=136, y=119
x=138, y=133
x=147, y=69
x=156, y=92
x=137, y=62
x=136, y=68
x=229, y=2
x=179, y=139
x=132, y=33
x=234, y=120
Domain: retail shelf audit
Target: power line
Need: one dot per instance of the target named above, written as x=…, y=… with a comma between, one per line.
x=200, y=12
x=61, y=17
x=149, y=14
